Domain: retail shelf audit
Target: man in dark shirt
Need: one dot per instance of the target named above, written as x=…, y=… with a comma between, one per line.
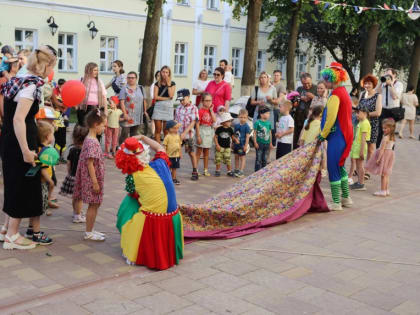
x=307, y=92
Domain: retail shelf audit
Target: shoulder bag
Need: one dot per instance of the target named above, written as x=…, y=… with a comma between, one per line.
x=249, y=107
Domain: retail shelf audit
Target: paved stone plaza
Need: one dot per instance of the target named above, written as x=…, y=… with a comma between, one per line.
x=304, y=267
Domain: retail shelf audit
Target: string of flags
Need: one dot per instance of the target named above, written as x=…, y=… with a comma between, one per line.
x=413, y=13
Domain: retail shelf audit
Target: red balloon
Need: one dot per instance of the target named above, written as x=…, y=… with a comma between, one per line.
x=73, y=92
x=51, y=76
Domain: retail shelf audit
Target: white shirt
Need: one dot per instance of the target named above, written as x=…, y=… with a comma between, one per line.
x=200, y=85
x=229, y=78
x=284, y=123
x=398, y=87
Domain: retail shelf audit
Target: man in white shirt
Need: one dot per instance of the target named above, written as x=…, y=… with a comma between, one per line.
x=229, y=78
x=391, y=90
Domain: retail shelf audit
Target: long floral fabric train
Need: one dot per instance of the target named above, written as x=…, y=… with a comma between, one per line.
x=281, y=192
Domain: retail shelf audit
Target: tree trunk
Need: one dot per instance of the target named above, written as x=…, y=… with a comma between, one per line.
x=293, y=35
x=413, y=76
x=367, y=63
x=251, y=46
x=150, y=42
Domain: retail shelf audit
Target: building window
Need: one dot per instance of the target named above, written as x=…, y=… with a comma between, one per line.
x=237, y=62
x=108, y=53
x=213, y=4
x=180, y=64
x=25, y=39
x=183, y=2
x=260, y=61
x=320, y=67
x=140, y=51
x=281, y=65
x=67, y=52
x=300, y=65
x=209, y=58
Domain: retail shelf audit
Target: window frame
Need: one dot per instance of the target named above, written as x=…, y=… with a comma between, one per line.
x=261, y=60
x=298, y=63
x=320, y=65
x=215, y=7
x=208, y=57
x=23, y=42
x=106, y=49
x=239, y=60
x=177, y=65
x=64, y=48
x=181, y=2
x=282, y=66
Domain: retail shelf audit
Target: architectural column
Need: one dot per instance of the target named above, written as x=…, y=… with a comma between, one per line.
x=198, y=39
x=227, y=16
x=166, y=47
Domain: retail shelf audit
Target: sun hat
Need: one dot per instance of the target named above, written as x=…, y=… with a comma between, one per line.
x=226, y=117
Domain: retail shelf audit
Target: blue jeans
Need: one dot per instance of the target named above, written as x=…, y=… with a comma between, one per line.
x=262, y=155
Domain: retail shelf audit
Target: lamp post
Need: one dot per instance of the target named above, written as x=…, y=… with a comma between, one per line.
x=52, y=25
x=92, y=29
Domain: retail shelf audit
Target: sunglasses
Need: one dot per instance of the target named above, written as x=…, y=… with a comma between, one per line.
x=216, y=74
x=131, y=78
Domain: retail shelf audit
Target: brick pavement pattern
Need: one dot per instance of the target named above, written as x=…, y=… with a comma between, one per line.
x=297, y=268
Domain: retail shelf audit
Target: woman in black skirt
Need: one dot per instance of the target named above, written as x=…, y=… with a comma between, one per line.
x=19, y=143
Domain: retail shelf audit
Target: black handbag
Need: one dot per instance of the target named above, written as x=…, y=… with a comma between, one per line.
x=249, y=107
x=397, y=113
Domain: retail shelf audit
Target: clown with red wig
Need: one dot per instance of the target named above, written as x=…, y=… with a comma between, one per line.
x=337, y=128
x=148, y=219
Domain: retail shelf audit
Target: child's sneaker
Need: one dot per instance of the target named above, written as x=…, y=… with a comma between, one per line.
x=217, y=173
x=231, y=174
x=239, y=174
x=358, y=186
x=206, y=173
x=41, y=239
x=194, y=176
x=78, y=218
x=380, y=193
x=176, y=182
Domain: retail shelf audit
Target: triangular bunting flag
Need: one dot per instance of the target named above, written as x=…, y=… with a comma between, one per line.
x=386, y=6
x=316, y=1
x=327, y=4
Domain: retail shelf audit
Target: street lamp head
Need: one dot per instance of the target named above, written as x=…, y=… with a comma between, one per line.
x=52, y=25
x=92, y=29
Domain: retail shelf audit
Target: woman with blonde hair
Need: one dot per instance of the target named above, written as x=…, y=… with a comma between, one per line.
x=95, y=93
x=200, y=85
x=22, y=184
x=163, y=111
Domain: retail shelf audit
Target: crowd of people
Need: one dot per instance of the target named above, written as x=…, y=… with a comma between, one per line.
x=34, y=117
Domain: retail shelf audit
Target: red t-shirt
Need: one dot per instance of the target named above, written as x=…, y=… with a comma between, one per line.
x=221, y=93
x=205, y=117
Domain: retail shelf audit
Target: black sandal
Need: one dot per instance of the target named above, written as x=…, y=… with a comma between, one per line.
x=41, y=238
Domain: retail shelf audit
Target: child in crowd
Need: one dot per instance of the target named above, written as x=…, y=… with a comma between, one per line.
x=284, y=130
x=220, y=111
x=7, y=52
x=45, y=138
x=205, y=133
x=354, y=104
x=262, y=139
x=382, y=160
x=61, y=132
x=359, y=148
x=223, y=139
x=242, y=134
x=79, y=135
x=313, y=127
x=113, y=128
x=187, y=115
x=172, y=144
x=23, y=55
x=89, y=182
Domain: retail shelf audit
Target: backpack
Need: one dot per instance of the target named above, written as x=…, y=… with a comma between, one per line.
x=249, y=107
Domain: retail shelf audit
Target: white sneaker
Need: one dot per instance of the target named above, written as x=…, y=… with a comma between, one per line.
x=335, y=207
x=99, y=233
x=91, y=236
x=351, y=182
x=346, y=202
x=78, y=218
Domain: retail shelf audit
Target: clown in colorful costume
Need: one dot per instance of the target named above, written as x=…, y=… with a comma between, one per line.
x=337, y=128
x=148, y=219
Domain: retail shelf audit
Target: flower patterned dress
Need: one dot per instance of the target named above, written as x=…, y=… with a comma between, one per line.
x=83, y=186
x=370, y=103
